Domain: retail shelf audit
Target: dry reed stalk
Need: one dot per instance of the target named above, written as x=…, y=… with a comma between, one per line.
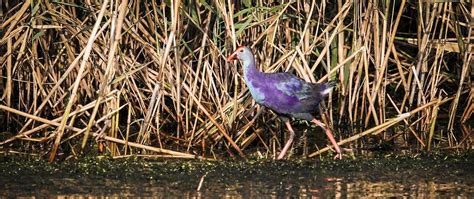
x=43, y=126
x=104, y=87
x=76, y=84
x=378, y=129
x=387, y=59
x=108, y=138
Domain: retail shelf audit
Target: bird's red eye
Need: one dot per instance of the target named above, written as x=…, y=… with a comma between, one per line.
x=242, y=51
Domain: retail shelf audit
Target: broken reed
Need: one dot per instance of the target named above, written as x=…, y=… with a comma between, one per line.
x=151, y=78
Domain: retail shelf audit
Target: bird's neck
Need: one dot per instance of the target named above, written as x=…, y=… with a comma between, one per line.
x=250, y=70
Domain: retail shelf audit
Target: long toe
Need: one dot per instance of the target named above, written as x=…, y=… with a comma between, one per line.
x=338, y=156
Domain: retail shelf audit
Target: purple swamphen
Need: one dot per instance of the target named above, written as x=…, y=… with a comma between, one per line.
x=284, y=93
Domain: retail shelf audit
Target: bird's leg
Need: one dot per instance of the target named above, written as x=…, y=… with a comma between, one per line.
x=330, y=136
x=288, y=142
x=282, y=131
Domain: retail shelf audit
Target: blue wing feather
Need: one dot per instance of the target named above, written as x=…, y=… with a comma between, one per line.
x=307, y=94
x=287, y=94
x=295, y=86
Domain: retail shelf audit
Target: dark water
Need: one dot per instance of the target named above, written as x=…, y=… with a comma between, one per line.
x=423, y=176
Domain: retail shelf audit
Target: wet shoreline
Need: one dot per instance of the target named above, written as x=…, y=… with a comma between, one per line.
x=384, y=175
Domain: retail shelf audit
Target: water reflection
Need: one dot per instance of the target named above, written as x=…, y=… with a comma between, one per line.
x=349, y=187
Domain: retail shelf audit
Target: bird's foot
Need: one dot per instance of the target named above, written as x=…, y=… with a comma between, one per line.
x=340, y=151
x=347, y=150
x=338, y=156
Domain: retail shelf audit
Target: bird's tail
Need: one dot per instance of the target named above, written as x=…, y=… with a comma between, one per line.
x=328, y=87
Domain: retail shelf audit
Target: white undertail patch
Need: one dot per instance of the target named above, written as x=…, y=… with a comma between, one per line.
x=326, y=91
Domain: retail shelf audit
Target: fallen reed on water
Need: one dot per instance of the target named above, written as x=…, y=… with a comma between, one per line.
x=151, y=78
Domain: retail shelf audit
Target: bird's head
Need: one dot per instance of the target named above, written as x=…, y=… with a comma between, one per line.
x=243, y=53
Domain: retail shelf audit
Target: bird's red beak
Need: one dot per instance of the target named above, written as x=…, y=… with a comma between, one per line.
x=232, y=57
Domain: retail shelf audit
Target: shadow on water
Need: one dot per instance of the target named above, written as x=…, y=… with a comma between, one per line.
x=386, y=175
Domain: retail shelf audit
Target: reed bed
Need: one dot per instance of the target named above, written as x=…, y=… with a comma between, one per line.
x=150, y=77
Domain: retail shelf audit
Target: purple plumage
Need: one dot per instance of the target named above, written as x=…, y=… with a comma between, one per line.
x=289, y=95
x=284, y=93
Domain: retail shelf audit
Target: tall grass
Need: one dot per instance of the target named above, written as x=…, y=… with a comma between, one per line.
x=150, y=77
